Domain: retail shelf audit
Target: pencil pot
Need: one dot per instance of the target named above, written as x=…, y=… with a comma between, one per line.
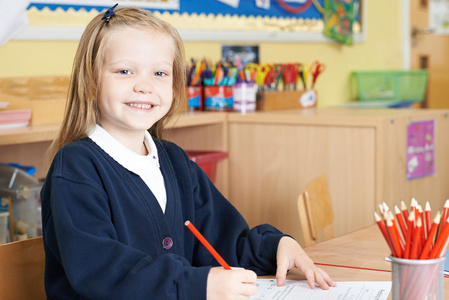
x=417, y=278
x=194, y=97
x=245, y=97
x=218, y=98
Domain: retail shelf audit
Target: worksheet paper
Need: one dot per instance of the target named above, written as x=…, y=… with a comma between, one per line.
x=294, y=289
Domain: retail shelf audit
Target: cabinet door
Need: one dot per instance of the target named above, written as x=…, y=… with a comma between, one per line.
x=271, y=164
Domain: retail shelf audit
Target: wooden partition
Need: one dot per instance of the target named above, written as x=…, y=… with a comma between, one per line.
x=273, y=155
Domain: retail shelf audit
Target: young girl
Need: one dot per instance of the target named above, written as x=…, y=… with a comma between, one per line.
x=116, y=196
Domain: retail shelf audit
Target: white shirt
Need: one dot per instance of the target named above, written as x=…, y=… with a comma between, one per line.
x=146, y=166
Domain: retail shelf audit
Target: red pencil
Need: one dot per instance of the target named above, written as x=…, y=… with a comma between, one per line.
x=400, y=219
x=414, y=209
x=444, y=215
x=394, y=238
x=381, y=208
x=395, y=228
x=404, y=210
x=383, y=229
x=416, y=239
x=422, y=241
x=428, y=215
x=207, y=245
x=411, y=229
x=440, y=244
x=426, y=250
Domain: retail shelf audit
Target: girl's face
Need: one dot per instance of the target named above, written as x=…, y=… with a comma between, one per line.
x=136, y=80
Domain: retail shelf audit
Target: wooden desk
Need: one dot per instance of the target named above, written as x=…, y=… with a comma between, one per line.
x=364, y=248
x=356, y=256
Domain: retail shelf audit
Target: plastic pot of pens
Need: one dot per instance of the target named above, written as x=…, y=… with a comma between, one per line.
x=418, y=244
x=245, y=97
x=194, y=98
x=218, y=91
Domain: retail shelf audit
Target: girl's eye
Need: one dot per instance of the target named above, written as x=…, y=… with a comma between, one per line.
x=125, y=72
x=159, y=74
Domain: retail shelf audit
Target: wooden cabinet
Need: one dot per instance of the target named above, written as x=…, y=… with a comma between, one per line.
x=273, y=155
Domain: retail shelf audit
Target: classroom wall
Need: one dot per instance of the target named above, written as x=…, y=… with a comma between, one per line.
x=382, y=49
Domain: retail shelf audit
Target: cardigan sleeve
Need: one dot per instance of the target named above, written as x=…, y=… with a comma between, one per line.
x=84, y=256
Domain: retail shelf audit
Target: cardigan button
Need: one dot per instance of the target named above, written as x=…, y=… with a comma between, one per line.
x=167, y=243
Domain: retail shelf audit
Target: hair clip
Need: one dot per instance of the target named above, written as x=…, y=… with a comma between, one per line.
x=109, y=13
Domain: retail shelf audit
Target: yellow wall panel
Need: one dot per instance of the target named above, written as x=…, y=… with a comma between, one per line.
x=382, y=49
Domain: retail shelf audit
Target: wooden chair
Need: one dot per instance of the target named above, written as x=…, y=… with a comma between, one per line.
x=22, y=270
x=315, y=212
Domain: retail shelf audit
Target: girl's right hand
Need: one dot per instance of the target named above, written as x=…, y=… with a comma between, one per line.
x=234, y=284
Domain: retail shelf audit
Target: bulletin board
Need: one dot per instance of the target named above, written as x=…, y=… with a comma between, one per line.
x=275, y=8
x=196, y=20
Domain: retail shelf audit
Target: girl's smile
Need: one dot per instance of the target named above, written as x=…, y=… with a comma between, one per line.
x=140, y=105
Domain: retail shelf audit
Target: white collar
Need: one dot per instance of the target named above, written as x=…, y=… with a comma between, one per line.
x=120, y=153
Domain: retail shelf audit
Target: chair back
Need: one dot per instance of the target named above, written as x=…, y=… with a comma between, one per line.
x=22, y=266
x=315, y=212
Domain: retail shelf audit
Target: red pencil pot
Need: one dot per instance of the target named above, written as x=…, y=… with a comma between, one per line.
x=417, y=278
x=194, y=97
x=218, y=98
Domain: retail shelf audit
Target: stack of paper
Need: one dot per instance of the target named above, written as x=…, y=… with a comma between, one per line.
x=293, y=290
x=14, y=118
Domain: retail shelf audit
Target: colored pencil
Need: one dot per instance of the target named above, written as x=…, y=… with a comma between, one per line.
x=395, y=228
x=416, y=239
x=401, y=222
x=206, y=244
x=433, y=231
x=404, y=210
x=440, y=244
x=381, y=208
x=408, y=240
x=413, y=208
x=383, y=229
x=394, y=238
x=422, y=241
x=428, y=215
x=444, y=215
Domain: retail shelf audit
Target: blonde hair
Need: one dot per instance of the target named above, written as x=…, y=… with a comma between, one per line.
x=81, y=111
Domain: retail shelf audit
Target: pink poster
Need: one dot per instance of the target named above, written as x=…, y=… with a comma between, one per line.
x=420, y=149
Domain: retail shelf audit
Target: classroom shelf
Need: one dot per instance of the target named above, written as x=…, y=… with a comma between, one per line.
x=45, y=133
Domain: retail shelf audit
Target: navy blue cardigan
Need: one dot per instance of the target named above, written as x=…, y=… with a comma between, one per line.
x=104, y=229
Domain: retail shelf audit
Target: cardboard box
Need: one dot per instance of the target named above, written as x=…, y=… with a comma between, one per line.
x=272, y=100
x=45, y=96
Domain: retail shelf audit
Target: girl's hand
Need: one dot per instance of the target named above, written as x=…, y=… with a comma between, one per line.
x=290, y=255
x=237, y=284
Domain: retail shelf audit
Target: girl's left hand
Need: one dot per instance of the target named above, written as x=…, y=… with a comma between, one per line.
x=290, y=255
